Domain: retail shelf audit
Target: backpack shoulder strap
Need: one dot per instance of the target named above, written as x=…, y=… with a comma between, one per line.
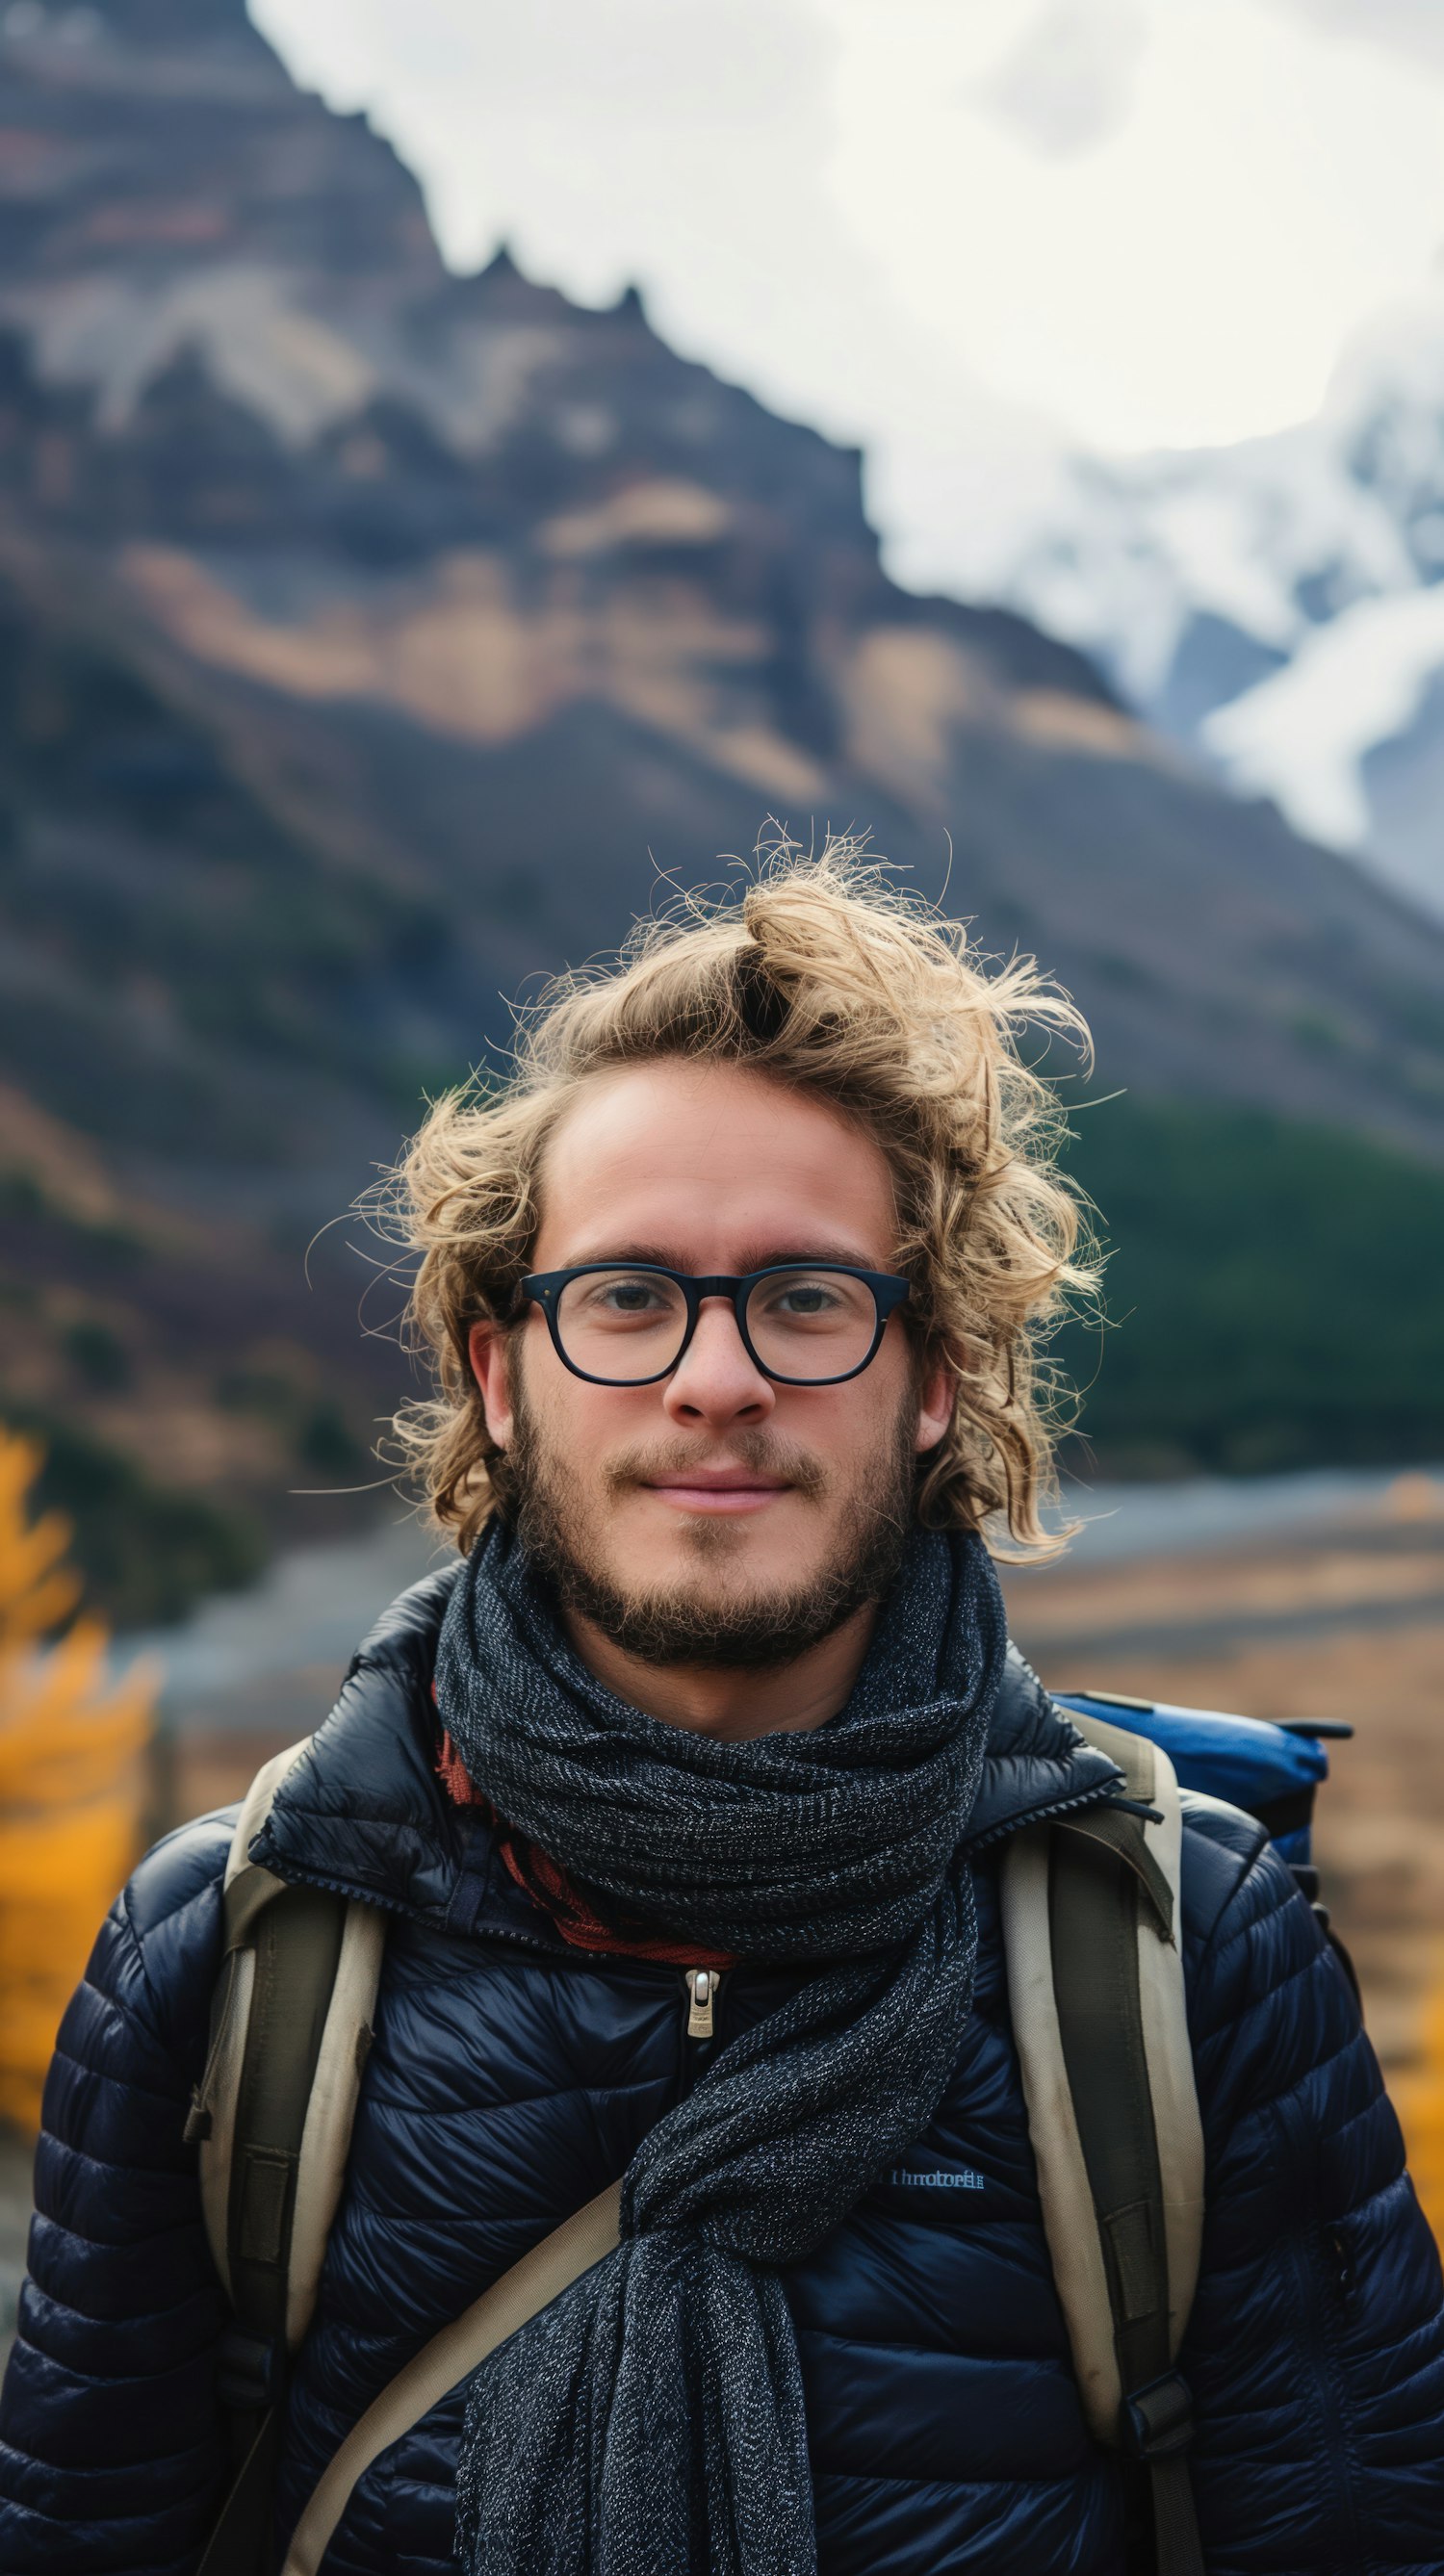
x=272, y=2116
x=531, y=2284
x=1095, y=1984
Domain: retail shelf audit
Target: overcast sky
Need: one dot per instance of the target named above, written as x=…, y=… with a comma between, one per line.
x=955, y=231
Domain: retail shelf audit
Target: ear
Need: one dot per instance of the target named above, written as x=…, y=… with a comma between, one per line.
x=937, y=1396
x=486, y=1350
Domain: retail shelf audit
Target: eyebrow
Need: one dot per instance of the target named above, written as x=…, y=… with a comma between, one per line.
x=760, y=1257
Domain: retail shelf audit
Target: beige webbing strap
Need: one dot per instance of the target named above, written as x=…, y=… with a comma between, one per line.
x=1092, y=1933
x=583, y=2240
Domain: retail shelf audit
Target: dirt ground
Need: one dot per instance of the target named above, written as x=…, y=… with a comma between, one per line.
x=1341, y=1621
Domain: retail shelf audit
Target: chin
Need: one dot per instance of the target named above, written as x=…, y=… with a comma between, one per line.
x=743, y=1556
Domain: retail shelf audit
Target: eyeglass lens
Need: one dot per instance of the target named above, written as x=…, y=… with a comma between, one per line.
x=627, y=1325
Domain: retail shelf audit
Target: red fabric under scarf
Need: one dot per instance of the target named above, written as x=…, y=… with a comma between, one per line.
x=547, y=1884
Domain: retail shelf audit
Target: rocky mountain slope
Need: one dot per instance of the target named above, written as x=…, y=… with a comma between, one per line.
x=1280, y=604
x=375, y=640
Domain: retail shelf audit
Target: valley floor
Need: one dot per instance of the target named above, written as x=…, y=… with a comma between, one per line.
x=1343, y=1618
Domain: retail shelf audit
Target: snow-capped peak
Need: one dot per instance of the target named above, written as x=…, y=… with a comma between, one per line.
x=1273, y=602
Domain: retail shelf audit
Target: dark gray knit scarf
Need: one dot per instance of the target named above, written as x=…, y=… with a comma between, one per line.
x=650, y=2422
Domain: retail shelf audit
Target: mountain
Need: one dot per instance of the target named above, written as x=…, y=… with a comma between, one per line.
x=374, y=641
x=1279, y=605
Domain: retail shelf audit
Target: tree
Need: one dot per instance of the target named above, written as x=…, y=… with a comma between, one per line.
x=72, y=1780
x=1419, y=2099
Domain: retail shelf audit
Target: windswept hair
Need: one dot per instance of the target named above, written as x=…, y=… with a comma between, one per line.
x=824, y=977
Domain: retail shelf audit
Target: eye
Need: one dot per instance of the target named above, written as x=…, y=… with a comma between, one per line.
x=808, y=1298
x=628, y=1297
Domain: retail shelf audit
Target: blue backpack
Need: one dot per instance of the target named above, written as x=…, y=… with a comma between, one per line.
x=1272, y=1768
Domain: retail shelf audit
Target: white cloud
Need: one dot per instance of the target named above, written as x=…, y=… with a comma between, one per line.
x=1413, y=27
x=701, y=158
x=825, y=200
x=601, y=136
x=1067, y=81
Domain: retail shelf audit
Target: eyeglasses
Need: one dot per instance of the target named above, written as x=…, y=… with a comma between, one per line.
x=802, y=1323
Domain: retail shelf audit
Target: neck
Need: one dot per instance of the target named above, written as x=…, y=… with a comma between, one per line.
x=703, y=1699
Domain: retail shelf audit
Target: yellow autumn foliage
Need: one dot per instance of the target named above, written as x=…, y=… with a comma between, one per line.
x=72, y=1780
x=1419, y=2100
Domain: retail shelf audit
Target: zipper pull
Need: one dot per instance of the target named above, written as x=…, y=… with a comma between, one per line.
x=702, y=1984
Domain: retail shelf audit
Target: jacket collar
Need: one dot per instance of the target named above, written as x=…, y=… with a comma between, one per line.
x=364, y=1813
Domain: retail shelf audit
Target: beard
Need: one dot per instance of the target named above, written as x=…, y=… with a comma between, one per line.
x=702, y=1624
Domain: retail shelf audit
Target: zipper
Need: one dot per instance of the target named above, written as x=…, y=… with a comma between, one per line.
x=701, y=1996
x=345, y=1887
x=699, y=2030
x=701, y=1985
x=1042, y=1815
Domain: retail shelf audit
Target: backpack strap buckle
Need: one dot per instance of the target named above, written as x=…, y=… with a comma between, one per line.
x=251, y=2372
x=1157, y=2419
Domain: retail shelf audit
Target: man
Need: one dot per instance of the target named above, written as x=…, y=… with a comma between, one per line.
x=683, y=1793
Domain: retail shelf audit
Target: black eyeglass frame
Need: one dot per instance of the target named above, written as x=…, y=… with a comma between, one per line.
x=544, y=1288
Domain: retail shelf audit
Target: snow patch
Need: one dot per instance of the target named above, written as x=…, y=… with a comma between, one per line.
x=1302, y=735
x=1324, y=544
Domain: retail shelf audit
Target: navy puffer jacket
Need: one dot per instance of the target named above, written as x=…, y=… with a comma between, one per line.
x=510, y=2080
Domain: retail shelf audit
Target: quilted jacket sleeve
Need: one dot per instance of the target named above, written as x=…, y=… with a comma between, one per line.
x=110, y=2445
x=1316, y=2347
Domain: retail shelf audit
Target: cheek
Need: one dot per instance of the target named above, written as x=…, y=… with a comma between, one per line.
x=851, y=1428
x=872, y=1407
x=581, y=1424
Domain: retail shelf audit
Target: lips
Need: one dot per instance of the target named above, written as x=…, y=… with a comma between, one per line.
x=717, y=1489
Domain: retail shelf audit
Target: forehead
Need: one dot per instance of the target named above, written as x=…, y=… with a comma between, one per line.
x=714, y=1166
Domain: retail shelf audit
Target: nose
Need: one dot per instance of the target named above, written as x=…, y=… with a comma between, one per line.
x=716, y=1381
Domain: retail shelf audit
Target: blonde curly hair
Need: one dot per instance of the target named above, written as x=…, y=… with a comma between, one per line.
x=820, y=975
